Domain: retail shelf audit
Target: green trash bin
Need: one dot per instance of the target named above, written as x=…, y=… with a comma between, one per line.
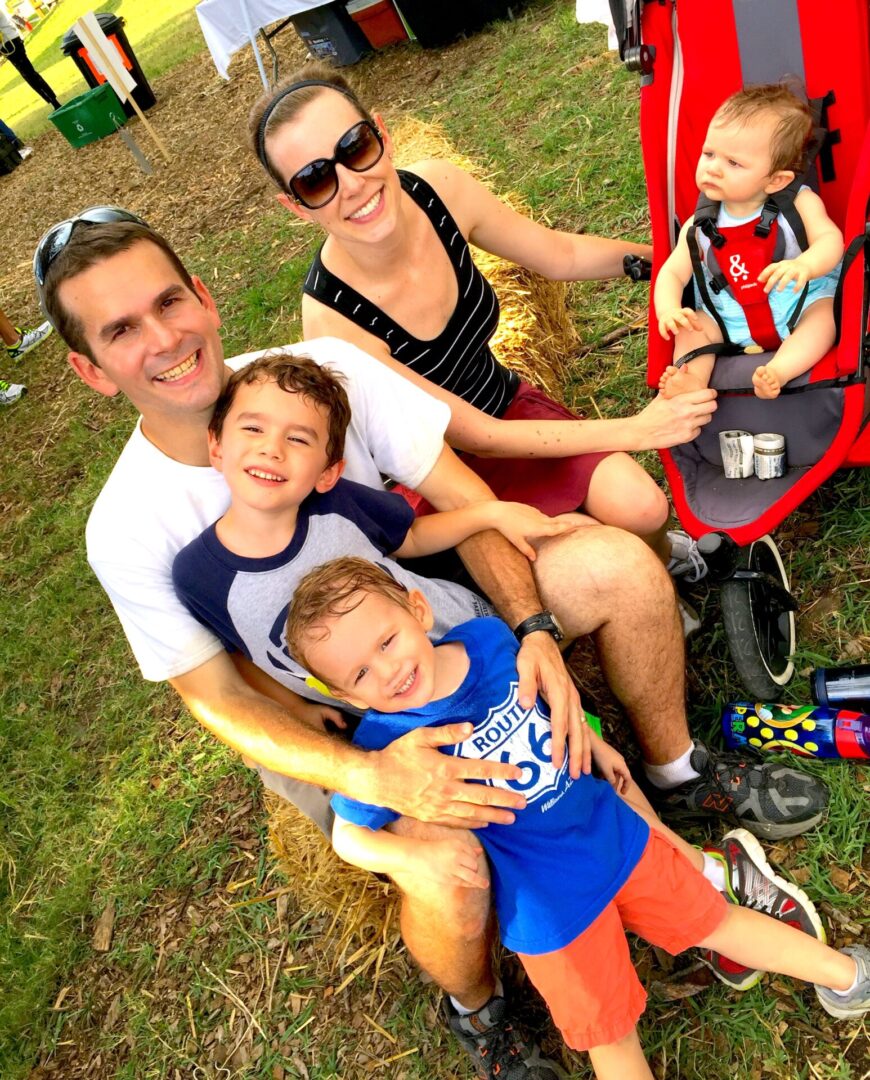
x=89, y=116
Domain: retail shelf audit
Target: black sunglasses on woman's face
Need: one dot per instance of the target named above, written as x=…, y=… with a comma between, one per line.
x=316, y=183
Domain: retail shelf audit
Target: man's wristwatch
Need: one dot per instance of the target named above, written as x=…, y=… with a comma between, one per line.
x=544, y=620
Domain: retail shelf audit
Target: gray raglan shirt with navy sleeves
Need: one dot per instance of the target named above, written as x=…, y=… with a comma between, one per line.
x=245, y=601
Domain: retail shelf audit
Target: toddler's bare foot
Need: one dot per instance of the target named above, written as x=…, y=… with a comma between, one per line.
x=766, y=382
x=676, y=380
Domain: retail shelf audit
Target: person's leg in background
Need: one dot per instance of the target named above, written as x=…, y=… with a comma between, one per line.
x=18, y=58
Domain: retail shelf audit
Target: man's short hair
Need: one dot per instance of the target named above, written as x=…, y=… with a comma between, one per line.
x=330, y=591
x=794, y=128
x=297, y=374
x=92, y=243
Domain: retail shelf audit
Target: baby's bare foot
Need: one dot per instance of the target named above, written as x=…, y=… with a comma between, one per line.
x=676, y=380
x=766, y=382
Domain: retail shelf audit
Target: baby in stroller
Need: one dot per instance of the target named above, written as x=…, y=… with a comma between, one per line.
x=760, y=246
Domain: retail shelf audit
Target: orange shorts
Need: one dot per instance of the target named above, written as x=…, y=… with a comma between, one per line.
x=590, y=985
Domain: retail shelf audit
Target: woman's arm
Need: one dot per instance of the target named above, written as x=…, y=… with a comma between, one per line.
x=663, y=423
x=492, y=225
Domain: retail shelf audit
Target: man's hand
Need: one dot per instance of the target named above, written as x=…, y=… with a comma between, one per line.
x=542, y=669
x=667, y=422
x=413, y=777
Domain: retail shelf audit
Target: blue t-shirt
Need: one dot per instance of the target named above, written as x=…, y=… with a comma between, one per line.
x=570, y=851
x=244, y=601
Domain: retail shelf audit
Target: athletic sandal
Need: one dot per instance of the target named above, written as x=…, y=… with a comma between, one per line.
x=495, y=1046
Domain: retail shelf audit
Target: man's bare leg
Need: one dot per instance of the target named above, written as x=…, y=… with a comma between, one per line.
x=605, y=582
x=449, y=932
x=608, y=583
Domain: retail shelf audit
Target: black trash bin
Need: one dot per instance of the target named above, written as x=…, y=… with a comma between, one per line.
x=9, y=157
x=331, y=34
x=113, y=27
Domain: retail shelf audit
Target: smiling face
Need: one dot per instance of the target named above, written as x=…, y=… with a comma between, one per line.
x=365, y=204
x=273, y=448
x=150, y=336
x=377, y=654
x=735, y=164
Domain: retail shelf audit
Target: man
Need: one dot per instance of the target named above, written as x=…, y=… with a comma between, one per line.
x=138, y=324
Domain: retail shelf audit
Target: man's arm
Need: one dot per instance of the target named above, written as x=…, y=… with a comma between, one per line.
x=406, y=777
x=506, y=577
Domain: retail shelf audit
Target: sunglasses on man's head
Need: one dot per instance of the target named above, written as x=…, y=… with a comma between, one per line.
x=55, y=239
x=316, y=183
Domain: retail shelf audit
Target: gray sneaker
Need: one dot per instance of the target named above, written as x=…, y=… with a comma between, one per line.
x=770, y=800
x=10, y=392
x=29, y=339
x=495, y=1046
x=857, y=1001
x=685, y=561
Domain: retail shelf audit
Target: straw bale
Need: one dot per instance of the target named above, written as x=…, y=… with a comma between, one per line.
x=362, y=911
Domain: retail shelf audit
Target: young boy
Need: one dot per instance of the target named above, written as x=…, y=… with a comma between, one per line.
x=755, y=146
x=277, y=435
x=578, y=864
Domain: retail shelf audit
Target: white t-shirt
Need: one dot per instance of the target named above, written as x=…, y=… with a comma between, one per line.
x=152, y=506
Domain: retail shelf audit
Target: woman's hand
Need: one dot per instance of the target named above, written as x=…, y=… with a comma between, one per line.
x=667, y=422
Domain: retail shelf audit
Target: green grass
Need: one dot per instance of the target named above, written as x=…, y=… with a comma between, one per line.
x=108, y=789
x=162, y=33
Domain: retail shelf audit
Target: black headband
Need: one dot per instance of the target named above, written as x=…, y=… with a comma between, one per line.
x=270, y=108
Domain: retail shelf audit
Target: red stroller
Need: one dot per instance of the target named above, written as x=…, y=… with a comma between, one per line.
x=691, y=54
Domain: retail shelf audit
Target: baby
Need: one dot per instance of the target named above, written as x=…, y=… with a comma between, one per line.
x=757, y=288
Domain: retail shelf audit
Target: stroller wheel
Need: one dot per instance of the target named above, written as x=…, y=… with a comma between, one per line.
x=760, y=628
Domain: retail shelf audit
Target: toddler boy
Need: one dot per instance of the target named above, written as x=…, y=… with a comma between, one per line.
x=578, y=864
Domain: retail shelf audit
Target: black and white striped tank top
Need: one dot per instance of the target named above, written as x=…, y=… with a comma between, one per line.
x=459, y=358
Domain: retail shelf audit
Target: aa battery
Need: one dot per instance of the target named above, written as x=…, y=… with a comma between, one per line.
x=737, y=454
x=769, y=455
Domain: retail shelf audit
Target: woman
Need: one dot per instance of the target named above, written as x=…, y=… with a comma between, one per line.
x=395, y=276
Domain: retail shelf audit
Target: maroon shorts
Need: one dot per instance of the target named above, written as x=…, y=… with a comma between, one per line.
x=553, y=485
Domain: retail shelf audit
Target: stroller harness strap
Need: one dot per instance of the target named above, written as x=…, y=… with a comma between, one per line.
x=736, y=255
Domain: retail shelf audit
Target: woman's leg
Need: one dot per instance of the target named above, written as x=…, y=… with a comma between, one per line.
x=621, y=1060
x=762, y=942
x=622, y=494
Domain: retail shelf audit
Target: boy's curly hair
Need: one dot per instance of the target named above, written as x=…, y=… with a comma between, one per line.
x=330, y=591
